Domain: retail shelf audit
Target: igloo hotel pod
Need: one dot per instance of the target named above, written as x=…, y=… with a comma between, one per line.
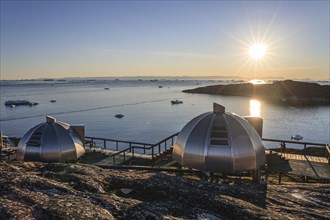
x=219, y=141
x=52, y=141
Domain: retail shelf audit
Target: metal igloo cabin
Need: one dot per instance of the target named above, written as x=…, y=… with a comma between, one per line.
x=52, y=141
x=219, y=141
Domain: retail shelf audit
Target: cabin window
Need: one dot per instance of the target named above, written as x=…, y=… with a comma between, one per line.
x=35, y=139
x=218, y=142
x=219, y=135
x=219, y=127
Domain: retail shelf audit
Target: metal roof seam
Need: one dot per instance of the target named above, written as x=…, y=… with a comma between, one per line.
x=207, y=141
x=193, y=127
x=230, y=142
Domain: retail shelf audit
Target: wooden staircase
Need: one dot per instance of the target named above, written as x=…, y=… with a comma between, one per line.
x=164, y=159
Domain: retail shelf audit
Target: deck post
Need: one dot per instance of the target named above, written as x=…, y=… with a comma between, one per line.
x=104, y=143
x=256, y=176
x=279, y=178
x=305, y=179
x=283, y=147
x=92, y=143
x=266, y=173
x=116, y=145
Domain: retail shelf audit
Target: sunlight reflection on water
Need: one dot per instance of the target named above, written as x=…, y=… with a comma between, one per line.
x=255, y=108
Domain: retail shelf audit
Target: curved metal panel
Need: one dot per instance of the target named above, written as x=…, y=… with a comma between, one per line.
x=219, y=156
x=220, y=143
x=258, y=147
x=79, y=145
x=66, y=145
x=242, y=150
x=21, y=148
x=195, y=144
x=180, y=143
x=50, y=142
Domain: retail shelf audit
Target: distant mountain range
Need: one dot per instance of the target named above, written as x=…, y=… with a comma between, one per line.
x=286, y=92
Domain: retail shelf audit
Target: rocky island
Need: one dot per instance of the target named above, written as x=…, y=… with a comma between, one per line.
x=33, y=190
x=285, y=92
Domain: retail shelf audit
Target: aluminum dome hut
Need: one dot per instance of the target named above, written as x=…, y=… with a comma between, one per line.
x=52, y=141
x=219, y=141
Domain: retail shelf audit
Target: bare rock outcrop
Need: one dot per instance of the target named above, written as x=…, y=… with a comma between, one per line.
x=76, y=191
x=285, y=92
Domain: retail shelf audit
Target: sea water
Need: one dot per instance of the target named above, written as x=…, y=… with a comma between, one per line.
x=148, y=114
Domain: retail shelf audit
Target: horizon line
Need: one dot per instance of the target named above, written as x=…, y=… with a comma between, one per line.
x=168, y=76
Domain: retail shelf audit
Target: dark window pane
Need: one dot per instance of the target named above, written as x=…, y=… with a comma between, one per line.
x=219, y=127
x=219, y=134
x=219, y=142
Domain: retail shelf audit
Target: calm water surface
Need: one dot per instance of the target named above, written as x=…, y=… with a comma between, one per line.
x=149, y=116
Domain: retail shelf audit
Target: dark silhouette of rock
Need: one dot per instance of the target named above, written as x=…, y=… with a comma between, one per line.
x=33, y=190
x=286, y=92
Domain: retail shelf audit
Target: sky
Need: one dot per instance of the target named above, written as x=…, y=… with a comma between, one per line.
x=55, y=39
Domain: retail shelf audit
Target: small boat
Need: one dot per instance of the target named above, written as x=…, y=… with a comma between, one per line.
x=119, y=116
x=106, y=88
x=174, y=102
x=296, y=137
x=160, y=86
x=53, y=100
x=12, y=103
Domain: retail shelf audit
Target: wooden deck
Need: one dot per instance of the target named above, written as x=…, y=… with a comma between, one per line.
x=313, y=170
x=302, y=157
x=299, y=165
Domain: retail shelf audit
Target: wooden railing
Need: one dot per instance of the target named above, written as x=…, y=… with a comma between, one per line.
x=152, y=150
x=130, y=147
x=113, y=144
x=8, y=146
x=125, y=148
x=293, y=142
x=283, y=144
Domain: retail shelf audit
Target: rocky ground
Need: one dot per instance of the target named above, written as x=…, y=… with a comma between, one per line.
x=76, y=191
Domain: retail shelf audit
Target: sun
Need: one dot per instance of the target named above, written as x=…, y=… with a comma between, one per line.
x=257, y=51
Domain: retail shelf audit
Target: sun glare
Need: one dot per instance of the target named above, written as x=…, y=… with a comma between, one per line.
x=257, y=81
x=255, y=107
x=257, y=51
